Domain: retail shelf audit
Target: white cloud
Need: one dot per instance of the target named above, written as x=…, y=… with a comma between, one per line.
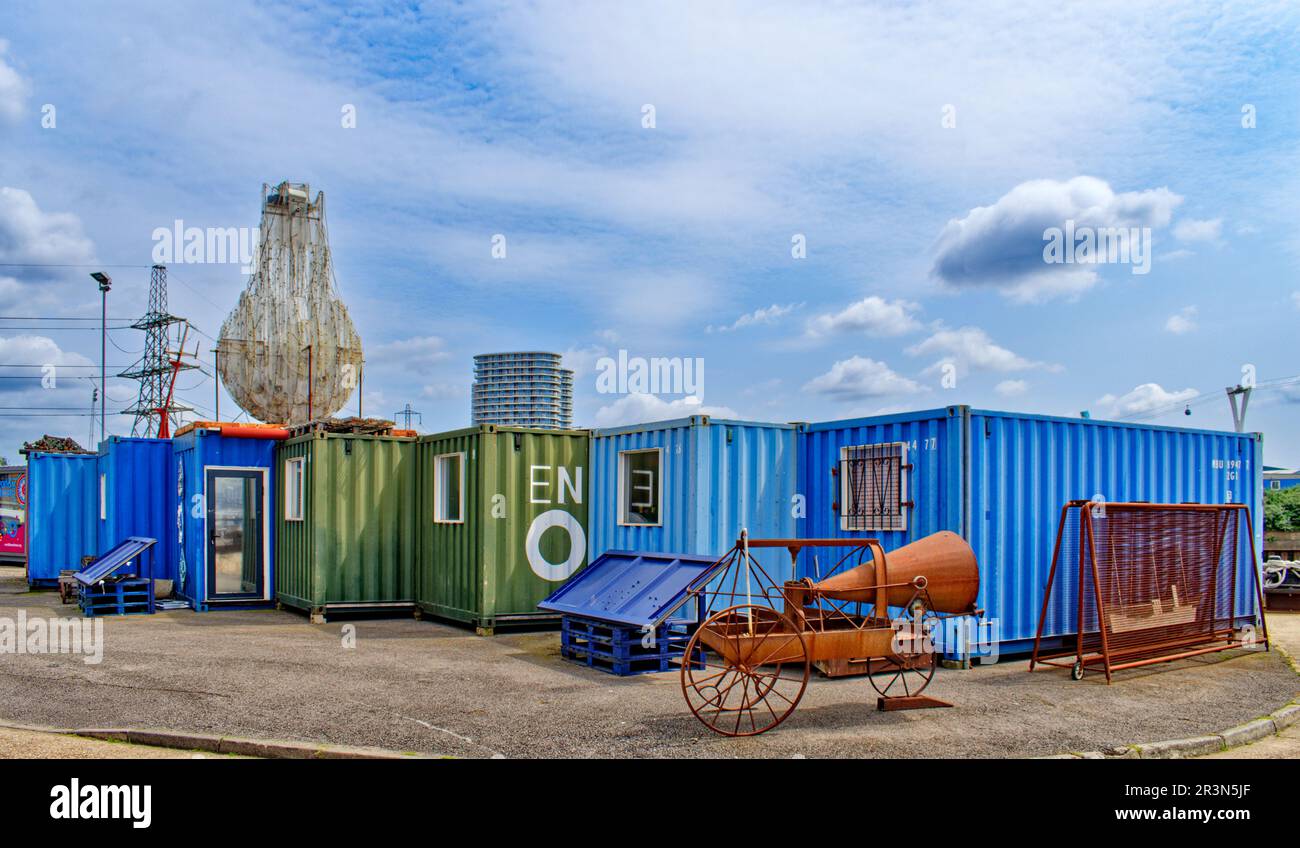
x=1002, y=245
x=414, y=353
x=28, y=235
x=860, y=377
x=971, y=349
x=1182, y=321
x=638, y=408
x=1011, y=388
x=13, y=89
x=872, y=315
x=1295, y=299
x=1191, y=229
x=582, y=360
x=445, y=391
x=36, y=350
x=768, y=315
x=1142, y=399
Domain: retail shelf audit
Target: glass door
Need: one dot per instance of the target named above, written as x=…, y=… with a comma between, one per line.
x=235, y=535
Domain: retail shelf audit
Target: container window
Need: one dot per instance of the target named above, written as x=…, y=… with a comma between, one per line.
x=1275, y=484
x=103, y=497
x=640, y=486
x=873, y=487
x=293, y=488
x=449, y=488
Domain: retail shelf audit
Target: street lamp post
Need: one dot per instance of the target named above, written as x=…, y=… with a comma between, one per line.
x=105, y=283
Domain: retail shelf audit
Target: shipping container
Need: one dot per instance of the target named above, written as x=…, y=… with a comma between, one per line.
x=220, y=518
x=503, y=521
x=1000, y=479
x=13, y=513
x=346, y=524
x=691, y=485
x=135, y=498
x=62, y=500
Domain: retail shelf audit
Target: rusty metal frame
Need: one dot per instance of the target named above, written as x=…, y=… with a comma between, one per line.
x=1110, y=660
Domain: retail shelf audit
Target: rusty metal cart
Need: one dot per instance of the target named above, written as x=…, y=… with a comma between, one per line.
x=760, y=644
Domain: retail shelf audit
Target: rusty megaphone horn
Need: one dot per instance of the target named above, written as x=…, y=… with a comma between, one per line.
x=943, y=561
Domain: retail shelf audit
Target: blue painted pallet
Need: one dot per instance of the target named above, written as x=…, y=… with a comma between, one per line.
x=627, y=668
x=132, y=596
x=620, y=648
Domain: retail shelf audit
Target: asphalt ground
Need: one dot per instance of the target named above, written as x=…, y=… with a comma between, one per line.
x=425, y=687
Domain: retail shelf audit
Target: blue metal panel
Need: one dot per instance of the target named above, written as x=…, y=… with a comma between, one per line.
x=935, y=482
x=114, y=559
x=1024, y=468
x=639, y=588
x=191, y=454
x=719, y=476
x=61, y=504
x=138, y=500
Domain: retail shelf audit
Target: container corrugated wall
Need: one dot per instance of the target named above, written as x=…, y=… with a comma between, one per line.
x=357, y=542
x=525, y=522
x=1000, y=479
x=140, y=485
x=1024, y=468
x=935, y=447
x=62, y=500
x=192, y=453
x=719, y=476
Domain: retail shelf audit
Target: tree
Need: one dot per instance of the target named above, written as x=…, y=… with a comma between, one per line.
x=1282, y=510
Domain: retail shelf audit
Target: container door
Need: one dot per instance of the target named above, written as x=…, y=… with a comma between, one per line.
x=236, y=538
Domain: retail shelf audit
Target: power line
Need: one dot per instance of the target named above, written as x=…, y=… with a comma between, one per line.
x=59, y=265
x=47, y=327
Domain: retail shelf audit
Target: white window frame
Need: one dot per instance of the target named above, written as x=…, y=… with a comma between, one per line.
x=1275, y=484
x=300, y=502
x=103, y=497
x=623, y=488
x=439, y=495
x=865, y=525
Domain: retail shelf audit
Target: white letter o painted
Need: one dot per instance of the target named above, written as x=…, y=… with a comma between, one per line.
x=577, y=545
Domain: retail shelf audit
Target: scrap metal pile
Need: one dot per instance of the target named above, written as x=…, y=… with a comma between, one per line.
x=53, y=444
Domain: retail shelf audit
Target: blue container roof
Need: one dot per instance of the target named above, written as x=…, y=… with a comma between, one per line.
x=680, y=423
x=640, y=588
x=951, y=411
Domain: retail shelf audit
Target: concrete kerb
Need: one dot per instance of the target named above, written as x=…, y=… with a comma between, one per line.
x=227, y=745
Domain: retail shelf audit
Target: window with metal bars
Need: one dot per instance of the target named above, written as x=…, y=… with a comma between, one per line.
x=873, y=487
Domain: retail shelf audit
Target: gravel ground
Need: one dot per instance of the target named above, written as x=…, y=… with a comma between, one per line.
x=419, y=686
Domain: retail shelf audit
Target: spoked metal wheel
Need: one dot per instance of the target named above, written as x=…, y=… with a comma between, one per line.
x=753, y=670
x=910, y=669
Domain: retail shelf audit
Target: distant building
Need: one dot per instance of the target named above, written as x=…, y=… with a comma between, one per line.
x=1280, y=478
x=523, y=389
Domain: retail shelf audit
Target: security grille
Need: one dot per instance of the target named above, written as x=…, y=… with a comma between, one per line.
x=873, y=487
x=1137, y=583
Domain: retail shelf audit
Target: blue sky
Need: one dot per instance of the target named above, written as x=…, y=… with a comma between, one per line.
x=919, y=150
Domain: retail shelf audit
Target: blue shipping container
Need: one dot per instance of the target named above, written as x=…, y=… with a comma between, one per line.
x=222, y=525
x=61, y=503
x=134, y=498
x=708, y=479
x=999, y=479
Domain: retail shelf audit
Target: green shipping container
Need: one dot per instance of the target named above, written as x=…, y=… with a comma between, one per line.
x=503, y=521
x=346, y=525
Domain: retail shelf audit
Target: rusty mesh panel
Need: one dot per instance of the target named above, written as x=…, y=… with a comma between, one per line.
x=1165, y=576
x=873, y=487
